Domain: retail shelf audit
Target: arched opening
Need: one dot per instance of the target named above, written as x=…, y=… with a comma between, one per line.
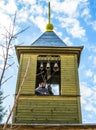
x=48, y=71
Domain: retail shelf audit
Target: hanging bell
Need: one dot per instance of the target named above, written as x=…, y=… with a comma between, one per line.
x=41, y=66
x=56, y=67
x=48, y=66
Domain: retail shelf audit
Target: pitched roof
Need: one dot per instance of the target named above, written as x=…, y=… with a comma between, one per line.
x=49, y=39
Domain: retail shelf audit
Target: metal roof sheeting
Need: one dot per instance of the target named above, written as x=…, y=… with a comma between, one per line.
x=49, y=39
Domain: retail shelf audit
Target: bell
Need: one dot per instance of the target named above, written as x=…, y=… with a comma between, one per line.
x=48, y=66
x=41, y=66
x=56, y=67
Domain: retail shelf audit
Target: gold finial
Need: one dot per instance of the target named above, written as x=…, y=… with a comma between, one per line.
x=49, y=26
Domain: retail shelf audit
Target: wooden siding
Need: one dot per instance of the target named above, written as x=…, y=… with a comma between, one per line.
x=69, y=76
x=47, y=109
x=64, y=109
x=29, y=83
x=70, y=79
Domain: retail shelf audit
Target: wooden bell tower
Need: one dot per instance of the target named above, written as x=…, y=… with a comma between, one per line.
x=64, y=106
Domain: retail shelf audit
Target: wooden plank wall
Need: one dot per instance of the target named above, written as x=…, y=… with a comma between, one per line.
x=70, y=79
x=29, y=83
x=47, y=109
x=69, y=76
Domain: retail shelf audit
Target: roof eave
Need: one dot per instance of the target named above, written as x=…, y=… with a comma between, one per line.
x=49, y=50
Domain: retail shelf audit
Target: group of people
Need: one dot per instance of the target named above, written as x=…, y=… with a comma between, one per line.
x=43, y=90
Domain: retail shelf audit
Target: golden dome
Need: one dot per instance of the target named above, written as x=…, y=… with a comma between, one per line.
x=49, y=27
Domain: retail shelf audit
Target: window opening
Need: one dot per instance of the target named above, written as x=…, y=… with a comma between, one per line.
x=48, y=75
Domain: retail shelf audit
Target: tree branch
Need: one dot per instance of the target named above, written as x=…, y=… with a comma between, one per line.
x=9, y=36
x=17, y=97
x=6, y=80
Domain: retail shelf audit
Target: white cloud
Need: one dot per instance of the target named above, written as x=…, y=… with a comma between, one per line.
x=67, y=41
x=77, y=31
x=3, y=52
x=37, y=10
x=69, y=7
x=90, y=107
x=94, y=60
x=5, y=21
x=59, y=33
x=73, y=27
x=88, y=97
x=22, y=16
x=9, y=8
x=30, y=8
x=40, y=22
x=89, y=73
x=71, y=10
x=90, y=57
x=94, y=78
x=86, y=14
x=32, y=12
x=28, y=1
x=93, y=25
x=86, y=91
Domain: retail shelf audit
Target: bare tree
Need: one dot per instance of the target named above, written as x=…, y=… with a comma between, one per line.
x=18, y=94
x=9, y=36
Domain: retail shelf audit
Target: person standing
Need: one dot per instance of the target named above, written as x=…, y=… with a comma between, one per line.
x=42, y=90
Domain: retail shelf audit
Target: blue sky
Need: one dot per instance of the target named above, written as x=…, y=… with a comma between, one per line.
x=74, y=22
